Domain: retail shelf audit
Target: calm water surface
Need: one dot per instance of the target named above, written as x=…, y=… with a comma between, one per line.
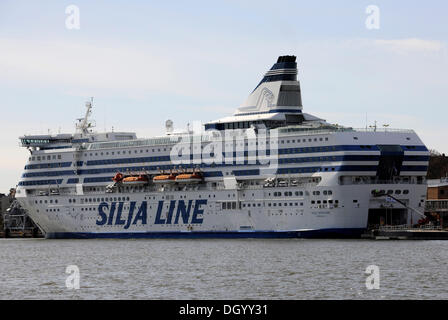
x=223, y=269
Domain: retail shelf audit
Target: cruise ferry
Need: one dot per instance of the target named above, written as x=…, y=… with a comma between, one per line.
x=270, y=170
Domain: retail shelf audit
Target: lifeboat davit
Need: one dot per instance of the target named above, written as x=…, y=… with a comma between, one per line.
x=164, y=178
x=189, y=178
x=135, y=180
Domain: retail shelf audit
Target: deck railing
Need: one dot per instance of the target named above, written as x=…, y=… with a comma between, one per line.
x=436, y=205
x=408, y=227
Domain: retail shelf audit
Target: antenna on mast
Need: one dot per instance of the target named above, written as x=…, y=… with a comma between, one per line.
x=83, y=124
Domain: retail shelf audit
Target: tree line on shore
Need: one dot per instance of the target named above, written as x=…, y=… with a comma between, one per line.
x=438, y=165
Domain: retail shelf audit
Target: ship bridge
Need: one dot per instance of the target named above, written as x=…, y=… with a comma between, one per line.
x=44, y=142
x=84, y=135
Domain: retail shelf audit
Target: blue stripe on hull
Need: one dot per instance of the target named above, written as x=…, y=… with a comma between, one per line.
x=323, y=233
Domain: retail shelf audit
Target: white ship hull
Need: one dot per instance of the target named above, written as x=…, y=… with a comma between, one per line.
x=320, y=180
x=141, y=216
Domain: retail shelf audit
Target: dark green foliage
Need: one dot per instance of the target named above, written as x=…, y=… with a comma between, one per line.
x=438, y=165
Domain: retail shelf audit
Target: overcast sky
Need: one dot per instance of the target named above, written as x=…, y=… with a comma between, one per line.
x=149, y=61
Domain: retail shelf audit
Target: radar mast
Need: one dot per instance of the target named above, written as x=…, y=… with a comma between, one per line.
x=84, y=124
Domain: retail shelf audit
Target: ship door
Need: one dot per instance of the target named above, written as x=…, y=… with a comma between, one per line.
x=218, y=207
x=387, y=216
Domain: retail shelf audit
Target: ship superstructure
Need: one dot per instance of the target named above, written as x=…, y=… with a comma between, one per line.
x=269, y=170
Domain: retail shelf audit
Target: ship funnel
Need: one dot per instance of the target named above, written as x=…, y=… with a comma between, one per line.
x=278, y=90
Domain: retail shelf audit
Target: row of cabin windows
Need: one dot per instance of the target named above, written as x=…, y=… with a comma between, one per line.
x=300, y=193
x=288, y=194
x=284, y=204
x=230, y=205
x=44, y=158
x=304, y=140
x=391, y=191
x=86, y=200
x=239, y=125
x=325, y=193
x=287, y=141
x=169, y=149
x=324, y=201
x=235, y=205
x=123, y=152
x=45, y=201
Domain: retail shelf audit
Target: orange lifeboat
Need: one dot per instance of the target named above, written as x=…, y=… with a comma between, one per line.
x=133, y=180
x=164, y=178
x=189, y=178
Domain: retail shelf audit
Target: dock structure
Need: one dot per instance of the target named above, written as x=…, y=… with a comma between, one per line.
x=433, y=224
x=15, y=221
x=404, y=232
x=5, y=203
x=437, y=201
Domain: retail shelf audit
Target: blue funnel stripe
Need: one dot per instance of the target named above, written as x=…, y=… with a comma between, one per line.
x=279, y=77
x=270, y=111
x=285, y=69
